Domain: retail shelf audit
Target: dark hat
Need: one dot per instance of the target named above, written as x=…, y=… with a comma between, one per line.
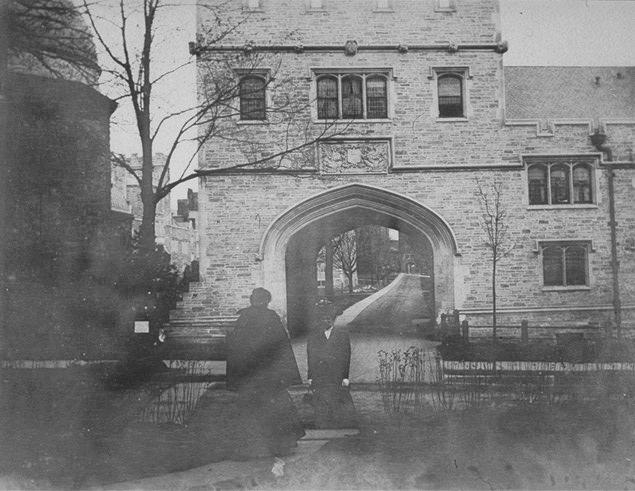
x=260, y=296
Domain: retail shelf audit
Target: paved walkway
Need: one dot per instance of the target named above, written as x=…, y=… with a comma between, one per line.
x=364, y=352
x=384, y=321
x=396, y=308
x=231, y=474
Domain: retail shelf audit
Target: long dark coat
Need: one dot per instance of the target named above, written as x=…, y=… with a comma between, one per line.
x=260, y=366
x=259, y=353
x=328, y=364
x=329, y=360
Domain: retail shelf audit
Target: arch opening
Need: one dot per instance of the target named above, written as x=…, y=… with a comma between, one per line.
x=292, y=242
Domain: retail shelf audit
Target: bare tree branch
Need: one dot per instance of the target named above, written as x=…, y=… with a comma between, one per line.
x=494, y=225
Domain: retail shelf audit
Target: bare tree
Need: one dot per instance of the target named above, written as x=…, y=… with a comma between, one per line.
x=495, y=228
x=345, y=254
x=132, y=60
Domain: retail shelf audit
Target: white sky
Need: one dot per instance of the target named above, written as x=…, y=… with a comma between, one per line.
x=539, y=32
x=569, y=32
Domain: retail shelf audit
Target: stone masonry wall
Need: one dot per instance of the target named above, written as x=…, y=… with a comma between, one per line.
x=434, y=162
x=243, y=206
x=409, y=22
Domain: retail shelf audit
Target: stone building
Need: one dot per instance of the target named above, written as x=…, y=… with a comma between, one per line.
x=187, y=209
x=62, y=241
x=176, y=233
x=412, y=104
x=184, y=235
x=133, y=195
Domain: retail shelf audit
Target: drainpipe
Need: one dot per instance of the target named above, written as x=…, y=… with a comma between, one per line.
x=598, y=139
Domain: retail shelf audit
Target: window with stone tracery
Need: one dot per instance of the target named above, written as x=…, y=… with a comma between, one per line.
x=565, y=264
x=560, y=182
x=352, y=95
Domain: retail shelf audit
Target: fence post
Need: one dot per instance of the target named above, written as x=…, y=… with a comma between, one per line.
x=524, y=331
x=465, y=328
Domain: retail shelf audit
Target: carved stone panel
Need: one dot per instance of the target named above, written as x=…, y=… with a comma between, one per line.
x=354, y=156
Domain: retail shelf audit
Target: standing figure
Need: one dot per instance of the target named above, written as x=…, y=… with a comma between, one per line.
x=260, y=367
x=329, y=359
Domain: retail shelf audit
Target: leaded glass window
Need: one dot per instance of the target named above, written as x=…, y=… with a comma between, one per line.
x=537, y=175
x=327, y=98
x=352, y=98
x=349, y=95
x=376, y=98
x=565, y=264
x=582, y=184
x=560, y=182
x=252, y=98
x=450, y=96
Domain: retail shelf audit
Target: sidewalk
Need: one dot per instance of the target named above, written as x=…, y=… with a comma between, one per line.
x=232, y=474
x=364, y=352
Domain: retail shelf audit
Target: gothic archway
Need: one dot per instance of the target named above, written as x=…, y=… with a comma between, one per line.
x=300, y=230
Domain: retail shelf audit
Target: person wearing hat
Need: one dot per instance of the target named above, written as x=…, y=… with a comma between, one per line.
x=329, y=359
x=260, y=367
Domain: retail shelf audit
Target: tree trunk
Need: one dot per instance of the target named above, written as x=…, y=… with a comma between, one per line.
x=350, y=281
x=147, y=229
x=328, y=271
x=494, y=299
x=147, y=235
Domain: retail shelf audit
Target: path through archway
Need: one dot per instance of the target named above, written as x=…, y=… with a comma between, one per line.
x=290, y=245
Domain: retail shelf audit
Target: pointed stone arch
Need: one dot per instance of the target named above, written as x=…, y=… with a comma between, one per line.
x=335, y=208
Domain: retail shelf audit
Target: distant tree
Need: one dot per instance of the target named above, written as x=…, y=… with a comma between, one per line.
x=345, y=254
x=495, y=228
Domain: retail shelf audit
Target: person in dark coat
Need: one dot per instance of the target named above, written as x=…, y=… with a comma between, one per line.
x=329, y=359
x=260, y=367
